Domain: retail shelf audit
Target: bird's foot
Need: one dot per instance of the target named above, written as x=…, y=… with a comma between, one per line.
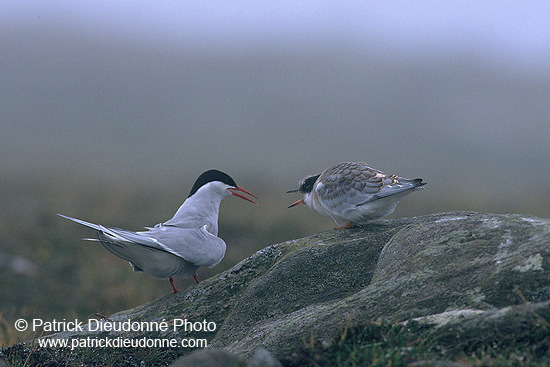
x=196, y=278
x=102, y=317
x=173, y=286
x=347, y=226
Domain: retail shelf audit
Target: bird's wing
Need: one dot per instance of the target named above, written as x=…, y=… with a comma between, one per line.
x=397, y=185
x=356, y=184
x=97, y=227
x=123, y=236
x=349, y=183
x=195, y=245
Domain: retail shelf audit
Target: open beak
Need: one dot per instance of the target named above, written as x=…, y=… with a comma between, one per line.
x=238, y=188
x=301, y=201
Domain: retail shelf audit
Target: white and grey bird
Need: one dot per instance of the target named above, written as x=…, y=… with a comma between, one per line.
x=187, y=241
x=353, y=193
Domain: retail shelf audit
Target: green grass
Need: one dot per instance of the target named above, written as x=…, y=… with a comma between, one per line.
x=21, y=356
x=384, y=344
x=377, y=344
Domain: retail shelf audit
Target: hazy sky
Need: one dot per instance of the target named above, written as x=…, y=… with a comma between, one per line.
x=423, y=88
x=516, y=33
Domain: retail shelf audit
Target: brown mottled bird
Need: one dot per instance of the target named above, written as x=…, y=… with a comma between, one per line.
x=353, y=193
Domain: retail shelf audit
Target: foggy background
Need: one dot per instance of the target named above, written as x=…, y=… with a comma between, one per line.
x=110, y=110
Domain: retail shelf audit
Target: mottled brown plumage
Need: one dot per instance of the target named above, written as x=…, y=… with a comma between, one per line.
x=353, y=193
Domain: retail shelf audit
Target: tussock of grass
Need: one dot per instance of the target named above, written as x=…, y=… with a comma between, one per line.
x=414, y=344
x=20, y=356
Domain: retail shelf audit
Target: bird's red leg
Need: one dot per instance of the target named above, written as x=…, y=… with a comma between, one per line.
x=196, y=278
x=173, y=286
x=347, y=226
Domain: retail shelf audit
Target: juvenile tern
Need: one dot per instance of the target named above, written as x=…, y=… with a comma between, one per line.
x=353, y=193
x=179, y=246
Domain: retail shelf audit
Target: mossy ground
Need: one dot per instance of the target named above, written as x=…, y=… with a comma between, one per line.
x=21, y=356
x=414, y=344
x=373, y=344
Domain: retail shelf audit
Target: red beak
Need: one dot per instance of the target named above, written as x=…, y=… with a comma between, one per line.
x=301, y=201
x=238, y=188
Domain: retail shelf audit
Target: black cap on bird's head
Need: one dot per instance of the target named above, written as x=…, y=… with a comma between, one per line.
x=216, y=175
x=210, y=176
x=306, y=186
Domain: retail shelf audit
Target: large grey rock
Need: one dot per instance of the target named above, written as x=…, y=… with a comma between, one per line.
x=392, y=269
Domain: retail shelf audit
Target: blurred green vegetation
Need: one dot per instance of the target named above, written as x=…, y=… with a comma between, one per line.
x=412, y=344
x=49, y=273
